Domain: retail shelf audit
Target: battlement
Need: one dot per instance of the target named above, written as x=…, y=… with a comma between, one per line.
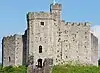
x=11, y=36
x=78, y=23
x=39, y=15
x=56, y=6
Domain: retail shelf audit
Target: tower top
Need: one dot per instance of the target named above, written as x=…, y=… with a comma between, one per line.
x=54, y=2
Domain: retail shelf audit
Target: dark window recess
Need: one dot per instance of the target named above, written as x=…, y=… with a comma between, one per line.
x=40, y=49
x=9, y=59
x=66, y=56
x=59, y=39
x=56, y=59
x=57, y=50
x=40, y=63
x=42, y=23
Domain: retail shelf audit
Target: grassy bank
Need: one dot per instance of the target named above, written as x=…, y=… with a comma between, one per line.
x=10, y=69
x=75, y=69
x=55, y=69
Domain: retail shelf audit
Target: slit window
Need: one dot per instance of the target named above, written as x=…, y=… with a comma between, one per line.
x=9, y=59
x=40, y=49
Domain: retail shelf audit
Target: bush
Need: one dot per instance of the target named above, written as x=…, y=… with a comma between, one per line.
x=99, y=62
x=10, y=69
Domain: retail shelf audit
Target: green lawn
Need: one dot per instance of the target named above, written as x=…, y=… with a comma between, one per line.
x=10, y=69
x=55, y=69
x=75, y=69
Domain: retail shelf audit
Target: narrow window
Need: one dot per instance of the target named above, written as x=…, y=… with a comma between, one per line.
x=40, y=49
x=59, y=39
x=57, y=50
x=42, y=23
x=9, y=59
x=66, y=56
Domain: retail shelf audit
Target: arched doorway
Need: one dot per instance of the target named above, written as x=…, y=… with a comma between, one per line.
x=40, y=63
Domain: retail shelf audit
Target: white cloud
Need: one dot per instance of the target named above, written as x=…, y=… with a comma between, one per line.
x=96, y=30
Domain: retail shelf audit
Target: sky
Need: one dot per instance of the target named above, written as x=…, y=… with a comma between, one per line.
x=13, y=14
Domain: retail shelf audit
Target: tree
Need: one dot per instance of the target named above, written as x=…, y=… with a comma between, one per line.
x=99, y=62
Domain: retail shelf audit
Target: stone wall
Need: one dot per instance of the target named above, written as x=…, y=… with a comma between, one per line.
x=46, y=68
x=40, y=34
x=94, y=49
x=8, y=45
x=12, y=50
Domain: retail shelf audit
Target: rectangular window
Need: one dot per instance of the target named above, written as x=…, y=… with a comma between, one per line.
x=42, y=23
x=40, y=49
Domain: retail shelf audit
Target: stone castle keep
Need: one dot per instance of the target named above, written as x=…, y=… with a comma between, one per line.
x=49, y=37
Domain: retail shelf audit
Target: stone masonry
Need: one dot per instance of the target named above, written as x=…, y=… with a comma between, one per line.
x=12, y=50
x=48, y=36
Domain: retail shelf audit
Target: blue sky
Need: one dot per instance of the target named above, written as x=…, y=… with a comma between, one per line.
x=13, y=13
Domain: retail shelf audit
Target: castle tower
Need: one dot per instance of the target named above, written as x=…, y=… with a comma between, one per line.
x=40, y=36
x=56, y=9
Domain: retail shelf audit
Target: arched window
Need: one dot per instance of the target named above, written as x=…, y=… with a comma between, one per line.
x=40, y=49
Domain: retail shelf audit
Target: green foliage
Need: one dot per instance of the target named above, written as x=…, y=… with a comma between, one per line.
x=10, y=69
x=99, y=62
x=75, y=69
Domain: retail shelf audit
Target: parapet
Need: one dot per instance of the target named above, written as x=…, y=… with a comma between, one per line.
x=11, y=36
x=56, y=6
x=78, y=23
x=39, y=15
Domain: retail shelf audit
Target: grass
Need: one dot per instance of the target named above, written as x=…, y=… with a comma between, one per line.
x=75, y=69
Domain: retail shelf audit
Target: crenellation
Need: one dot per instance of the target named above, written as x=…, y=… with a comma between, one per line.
x=78, y=24
x=40, y=16
x=57, y=7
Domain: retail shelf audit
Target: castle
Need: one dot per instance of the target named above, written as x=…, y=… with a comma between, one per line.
x=48, y=36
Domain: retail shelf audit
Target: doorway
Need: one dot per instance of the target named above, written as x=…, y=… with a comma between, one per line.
x=40, y=63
